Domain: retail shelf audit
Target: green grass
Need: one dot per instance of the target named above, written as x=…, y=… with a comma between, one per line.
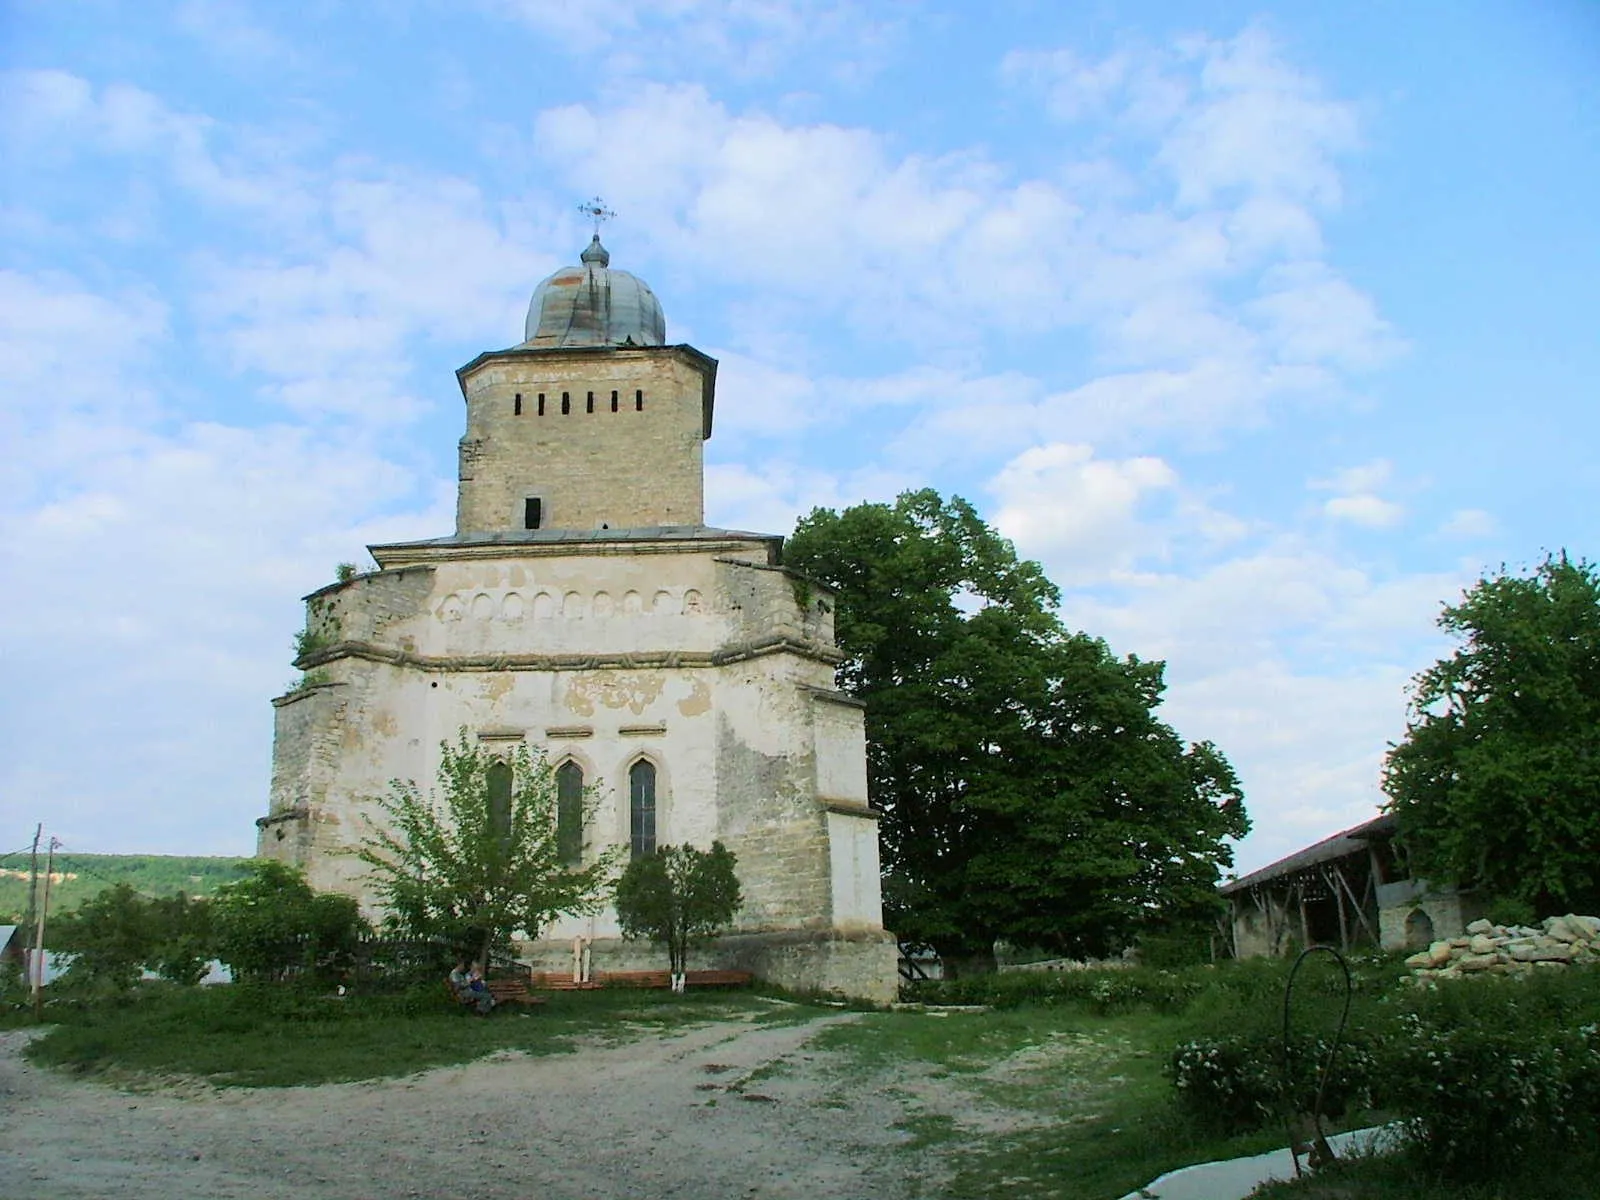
x=1097, y=1113
x=234, y=1039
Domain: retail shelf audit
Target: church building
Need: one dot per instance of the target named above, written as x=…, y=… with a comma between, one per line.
x=674, y=673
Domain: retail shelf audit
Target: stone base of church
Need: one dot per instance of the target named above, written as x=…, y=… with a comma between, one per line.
x=859, y=964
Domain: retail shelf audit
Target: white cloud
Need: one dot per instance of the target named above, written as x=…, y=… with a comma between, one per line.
x=1371, y=512
x=945, y=251
x=1470, y=523
x=1072, y=88
x=164, y=558
x=1079, y=513
x=746, y=38
x=1293, y=661
x=1256, y=126
x=1357, y=501
x=1312, y=316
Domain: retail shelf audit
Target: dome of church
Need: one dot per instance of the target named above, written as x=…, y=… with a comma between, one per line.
x=592, y=305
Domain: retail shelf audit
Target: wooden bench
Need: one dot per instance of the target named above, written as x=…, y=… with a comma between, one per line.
x=514, y=991
x=551, y=981
x=504, y=991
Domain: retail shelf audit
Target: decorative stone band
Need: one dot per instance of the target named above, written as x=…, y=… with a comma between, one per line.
x=738, y=652
x=299, y=813
x=850, y=808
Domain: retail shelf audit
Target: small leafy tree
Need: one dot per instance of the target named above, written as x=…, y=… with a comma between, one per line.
x=271, y=925
x=678, y=897
x=480, y=859
x=110, y=936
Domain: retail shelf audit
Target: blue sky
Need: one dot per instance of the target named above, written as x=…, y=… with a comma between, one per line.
x=1267, y=328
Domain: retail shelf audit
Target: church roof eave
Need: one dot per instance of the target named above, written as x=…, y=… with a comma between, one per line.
x=644, y=540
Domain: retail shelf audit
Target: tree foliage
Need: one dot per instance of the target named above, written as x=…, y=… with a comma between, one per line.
x=1496, y=783
x=115, y=935
x=1028, y=790
x=271, y=926
x=678, y=896
x=110, y=936
x=478, y=860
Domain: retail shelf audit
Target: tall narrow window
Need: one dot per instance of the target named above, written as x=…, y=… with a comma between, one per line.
x=591, y=403
x=566, y=403
x=642, y=808
x=516, y=405
x=532, y=512
x=569, y=814
x=613, y=399
x=541, y=404
x=498, y=782
x=638, y=400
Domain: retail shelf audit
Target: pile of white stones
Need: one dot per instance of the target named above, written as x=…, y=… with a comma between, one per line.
x=1512, y=949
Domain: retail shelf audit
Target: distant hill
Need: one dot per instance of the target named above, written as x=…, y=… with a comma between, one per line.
x=77, y=877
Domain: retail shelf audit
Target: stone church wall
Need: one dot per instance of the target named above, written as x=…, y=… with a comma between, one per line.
x=751, y=744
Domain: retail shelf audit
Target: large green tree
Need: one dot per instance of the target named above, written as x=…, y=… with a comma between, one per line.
x=1496, y=783
x=1028, y=790
x=482, y=858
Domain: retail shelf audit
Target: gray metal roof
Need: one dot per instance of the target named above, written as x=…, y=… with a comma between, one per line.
x=592, y=305
x=1352, y=841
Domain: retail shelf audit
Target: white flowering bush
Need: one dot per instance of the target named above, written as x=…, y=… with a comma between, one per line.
x=1239, y=1082
x=1492, y=1074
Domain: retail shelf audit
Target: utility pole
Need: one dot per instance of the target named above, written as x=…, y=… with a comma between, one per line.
x=38, y=943
x=33, y=886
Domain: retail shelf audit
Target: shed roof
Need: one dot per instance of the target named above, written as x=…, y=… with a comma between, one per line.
x=1352, y=841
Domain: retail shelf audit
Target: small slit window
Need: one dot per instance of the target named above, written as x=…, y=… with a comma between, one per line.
x=638, y=400
x=541, y=404
x=532, y=513
x=590, y=407
x=613, y=399
x=516, y=405
x=566, y=403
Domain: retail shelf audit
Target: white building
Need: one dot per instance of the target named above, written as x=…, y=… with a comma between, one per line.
x=583, y=607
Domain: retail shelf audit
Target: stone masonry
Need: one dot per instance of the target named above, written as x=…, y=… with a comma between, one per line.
x=606, y=627
x=1511, y=949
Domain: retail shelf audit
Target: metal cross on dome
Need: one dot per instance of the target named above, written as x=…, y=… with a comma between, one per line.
x=596, y=210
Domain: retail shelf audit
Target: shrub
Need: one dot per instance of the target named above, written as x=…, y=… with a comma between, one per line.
x=1493, y=1073
x=271, y=926
x=1103, y=991
x=1233, y=1084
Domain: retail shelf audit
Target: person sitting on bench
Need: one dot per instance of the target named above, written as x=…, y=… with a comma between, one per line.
x=467, y=980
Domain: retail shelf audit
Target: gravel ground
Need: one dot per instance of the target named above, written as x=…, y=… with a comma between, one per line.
x=728, y=1110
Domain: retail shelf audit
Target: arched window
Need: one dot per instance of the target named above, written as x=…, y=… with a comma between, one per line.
x=569, y=814
x=642, y=808
x=498, y=782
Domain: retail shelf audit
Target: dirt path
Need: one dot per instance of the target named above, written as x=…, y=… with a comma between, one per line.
x=669, y=1116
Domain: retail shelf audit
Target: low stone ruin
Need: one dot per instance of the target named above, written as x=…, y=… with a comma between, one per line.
x=1511, y=949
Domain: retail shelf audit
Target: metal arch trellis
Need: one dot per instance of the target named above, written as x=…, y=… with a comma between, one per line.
x=1320, y=1152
